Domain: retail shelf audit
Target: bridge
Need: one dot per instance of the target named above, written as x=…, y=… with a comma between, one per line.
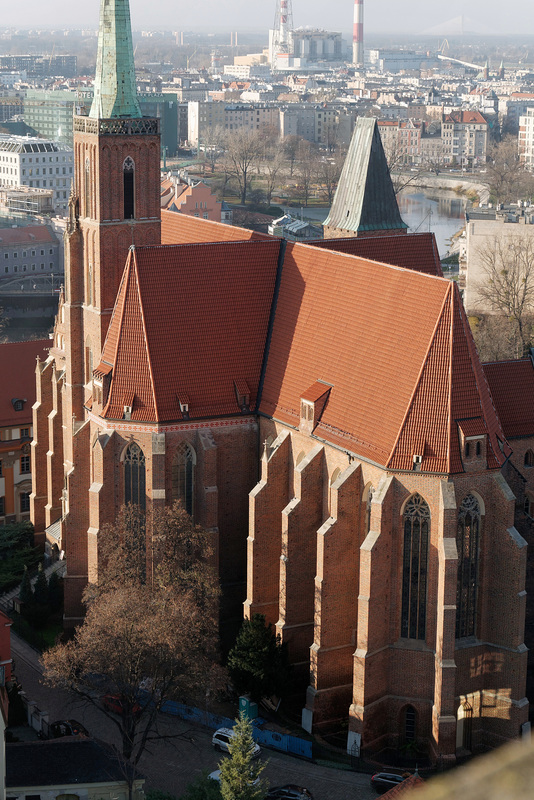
x=25, y=285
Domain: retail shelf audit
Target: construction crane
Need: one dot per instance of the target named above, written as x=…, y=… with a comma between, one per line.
x=195, y=51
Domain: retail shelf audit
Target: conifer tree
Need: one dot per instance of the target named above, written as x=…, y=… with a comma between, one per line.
x=240, y=773
x=258, y=663
x=55, y=592
x=40, y=590
x=25, y=591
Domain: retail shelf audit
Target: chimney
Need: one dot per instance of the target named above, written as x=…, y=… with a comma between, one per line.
x=357, y=36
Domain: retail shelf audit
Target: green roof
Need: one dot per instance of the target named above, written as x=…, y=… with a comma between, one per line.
x=115, y=94
x=365, y=198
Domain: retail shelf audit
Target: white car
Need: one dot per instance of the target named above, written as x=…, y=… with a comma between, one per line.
x=221, y=740
x=216, y=776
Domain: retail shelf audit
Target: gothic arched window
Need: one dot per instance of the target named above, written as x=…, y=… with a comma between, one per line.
x=128, y=175
x=529, y=459
x=135, y=476
x=87, y=188
x=414, y=568
x=467, y=543
x=183, y=476
x=410, y=724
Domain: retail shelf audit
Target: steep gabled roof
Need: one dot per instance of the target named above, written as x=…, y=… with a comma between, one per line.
x=417, y=251
x=191, y=321
x=396, y=348
x=512, y=389
x=182, y=229
x=17, y=367
x=365, y=199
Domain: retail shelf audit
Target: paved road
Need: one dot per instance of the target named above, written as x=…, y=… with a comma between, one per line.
x=171, y=766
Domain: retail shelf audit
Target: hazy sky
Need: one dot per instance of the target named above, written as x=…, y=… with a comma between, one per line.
x=380, y=15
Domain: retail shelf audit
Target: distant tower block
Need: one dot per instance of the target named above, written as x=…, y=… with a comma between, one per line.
x=357, y=36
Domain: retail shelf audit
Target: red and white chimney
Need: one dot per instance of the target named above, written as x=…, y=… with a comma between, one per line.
x=357, y=36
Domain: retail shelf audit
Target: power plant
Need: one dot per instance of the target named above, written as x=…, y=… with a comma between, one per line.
x=296, y=48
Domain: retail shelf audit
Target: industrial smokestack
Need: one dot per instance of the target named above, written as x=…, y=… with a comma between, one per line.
x=357, y=36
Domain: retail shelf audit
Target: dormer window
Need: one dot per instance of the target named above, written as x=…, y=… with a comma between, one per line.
x=242, y=394
x=127, y=412
x=417, y=463
x=312, y=405
x=18, y=403
x=183, y=402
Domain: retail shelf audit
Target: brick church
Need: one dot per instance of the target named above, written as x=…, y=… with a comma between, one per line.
x=320, y=408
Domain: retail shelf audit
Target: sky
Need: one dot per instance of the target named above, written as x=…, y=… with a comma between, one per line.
x=384, y=16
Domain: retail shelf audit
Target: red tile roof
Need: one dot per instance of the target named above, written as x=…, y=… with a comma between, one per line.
x=512, y=389
x=30, y=234
x=190, y=321
x=417, y=251
x=404, y=372
x=17, y=367
x=180, y=229
x=469, y=117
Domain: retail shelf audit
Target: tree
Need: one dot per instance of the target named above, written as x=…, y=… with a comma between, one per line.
x=258, y=663
x=40, y=590
x=329, y=174
x=507, y=178
x=244, y=149
x=55, y=592
x=213, y=143
x=496, y=338
x=272, y=168
x=307, y=166
x=150, y=631
x=399, y=165
x=291, y=146
x=508, y=283
x=240, y=773
x=26, y=591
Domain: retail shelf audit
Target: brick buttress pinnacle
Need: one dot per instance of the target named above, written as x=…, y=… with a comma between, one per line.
x=115, y=94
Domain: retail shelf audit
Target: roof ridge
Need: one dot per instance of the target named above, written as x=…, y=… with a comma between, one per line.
x=206, y=244
x=145, y=335
x=417, y=383
x=449, y=401
x=123, y=288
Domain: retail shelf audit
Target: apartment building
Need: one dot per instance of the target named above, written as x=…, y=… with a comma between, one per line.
x=464, y=136
x=401, y=139
x=526, y=138
x=230, y=117
x=27, y=161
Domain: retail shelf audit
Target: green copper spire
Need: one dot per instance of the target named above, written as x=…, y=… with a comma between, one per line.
x=115, y=94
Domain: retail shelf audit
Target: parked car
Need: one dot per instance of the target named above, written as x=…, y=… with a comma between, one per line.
x=289, y=792
x=221, y=740
x=115, y=703
x=382, y=782
x=216, y=776
x=67, y=727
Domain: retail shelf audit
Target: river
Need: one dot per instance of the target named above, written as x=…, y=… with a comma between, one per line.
x=438, y=210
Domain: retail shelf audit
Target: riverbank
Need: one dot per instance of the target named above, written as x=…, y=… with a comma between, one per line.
x=460, y=182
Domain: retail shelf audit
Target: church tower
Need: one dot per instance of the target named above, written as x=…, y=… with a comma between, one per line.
x=114, y=203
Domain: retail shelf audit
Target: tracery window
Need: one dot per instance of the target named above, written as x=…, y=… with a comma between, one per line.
x=128, y=174
x=467, y=542
x=135, y=476
x=414, y=568
x=183, y=476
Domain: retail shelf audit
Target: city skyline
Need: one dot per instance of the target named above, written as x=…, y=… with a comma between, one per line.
x=381, y=16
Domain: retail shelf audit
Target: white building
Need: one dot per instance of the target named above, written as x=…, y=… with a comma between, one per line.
x=526, y=138
x=38, y=163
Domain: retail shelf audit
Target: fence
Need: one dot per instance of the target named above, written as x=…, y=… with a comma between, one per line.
x=277, y=741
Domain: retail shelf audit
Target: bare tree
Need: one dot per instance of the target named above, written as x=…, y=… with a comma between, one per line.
x=401, y=171
x=329, y=173
x=244, y=149
x=291, y=146
x=213, y=143
x=506, y=175
x=272, y=167
x=307, y=170
x=150, y=632
x=508, y=283
x=496, y=338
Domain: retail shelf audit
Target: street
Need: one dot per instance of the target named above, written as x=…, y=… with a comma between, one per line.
x=171, y=765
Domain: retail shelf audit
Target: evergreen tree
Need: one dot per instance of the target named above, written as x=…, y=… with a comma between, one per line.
x=40, y=590
x=240, y=773
x=258, y=663
x=25, y=591
x=55, y=592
